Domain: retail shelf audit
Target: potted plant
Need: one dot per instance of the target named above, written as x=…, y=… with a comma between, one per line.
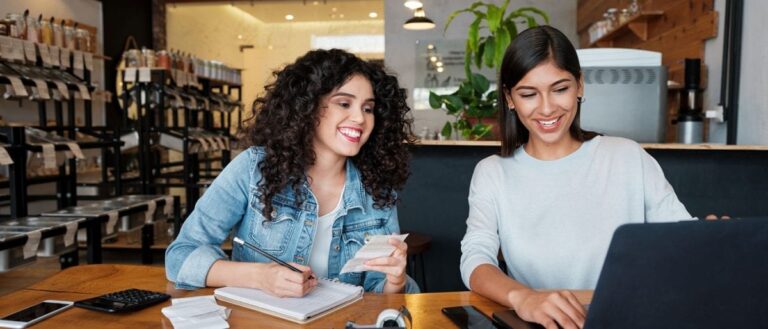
x=473, y=101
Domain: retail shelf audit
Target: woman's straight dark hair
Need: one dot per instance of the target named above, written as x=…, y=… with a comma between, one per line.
x=530, y=48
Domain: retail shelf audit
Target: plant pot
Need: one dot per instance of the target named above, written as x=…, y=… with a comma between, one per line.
x=495, y=133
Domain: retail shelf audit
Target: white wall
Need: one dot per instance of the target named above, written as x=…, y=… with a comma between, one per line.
x=210, y=31
x=400, y=51
x=753, y=92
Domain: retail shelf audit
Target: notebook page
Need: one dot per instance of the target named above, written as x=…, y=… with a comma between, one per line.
x=326, y=295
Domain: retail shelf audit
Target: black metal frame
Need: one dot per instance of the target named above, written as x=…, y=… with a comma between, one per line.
x=731, y=75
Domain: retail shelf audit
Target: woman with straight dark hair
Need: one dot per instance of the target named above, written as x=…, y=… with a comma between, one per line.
x=554, y=196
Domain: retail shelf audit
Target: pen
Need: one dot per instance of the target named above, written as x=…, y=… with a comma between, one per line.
x=268, y=255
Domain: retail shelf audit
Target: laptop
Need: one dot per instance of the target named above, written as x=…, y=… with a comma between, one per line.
x=693, y=274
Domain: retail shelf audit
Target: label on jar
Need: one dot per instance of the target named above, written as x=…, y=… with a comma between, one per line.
x=84, y=94
x=62, y=89
x=42, y=89
x=145, y=74
x=55, y=53
x=45, y=54
x=17, y=86
x=88, y=59
x=29, y=51
x=65, y=55
x=5, y=158
x=129, y=74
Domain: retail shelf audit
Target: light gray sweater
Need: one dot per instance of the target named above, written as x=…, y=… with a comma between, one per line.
x=555, y=219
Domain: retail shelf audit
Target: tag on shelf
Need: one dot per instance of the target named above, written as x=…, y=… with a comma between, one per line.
x=129, y=74
x=88, y=59
x=65, y=56
x=18, y=86
x=77, y=60
x=178, y=100
x=6, y=48
x=149, y=215
x=33, y=241
x=220, y=141
x=42, y=89
x=111, y=222
x=62, y=89
x=84, y=94
x=18, y=49
x=168, y=208
x=193, y=102
x=45, y=54
x=145, y=74
x=69, y=236
x=207, y=104
x=182, y=78
x=49, y=156
x=5, y=158
x=203, y=143
x=55, y=53
x=30, y=53
x=76, y=150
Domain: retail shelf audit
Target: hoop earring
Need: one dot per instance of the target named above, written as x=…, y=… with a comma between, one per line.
x=511, y=109
x=581, y=99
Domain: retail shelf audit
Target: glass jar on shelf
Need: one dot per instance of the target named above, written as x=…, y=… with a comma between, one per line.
x=624, y=16
x=69, y=37
x=46, y=33
x=611, y=15
x=58, y=34
x=163, y=60
x=633, y=8
x=32, y=29
x=17, y=26
x=82, y=40
x=132, y=58
x=147, y=57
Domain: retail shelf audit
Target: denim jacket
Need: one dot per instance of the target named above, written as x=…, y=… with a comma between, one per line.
x=233, y=201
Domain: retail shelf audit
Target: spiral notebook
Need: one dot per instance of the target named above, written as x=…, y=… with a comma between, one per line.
x=327, y=297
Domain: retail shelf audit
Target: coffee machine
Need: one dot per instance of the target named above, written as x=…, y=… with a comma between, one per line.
x=690, y=116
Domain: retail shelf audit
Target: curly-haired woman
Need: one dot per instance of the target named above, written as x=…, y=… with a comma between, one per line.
x=329, y=153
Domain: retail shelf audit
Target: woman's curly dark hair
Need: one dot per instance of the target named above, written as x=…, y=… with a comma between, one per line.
x=286, y=116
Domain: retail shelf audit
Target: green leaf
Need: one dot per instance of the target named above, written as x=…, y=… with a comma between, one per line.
x=470, y=9
x=480, y=83
x=511, y=28
x=473, y=34
x=435, y=100
x=462, y=124
x=490, y=51
x=479, y=55
x=446, y=132
x=504, y=8
x=453, y=103
x=536, y=11
x=503, y=39
x=480, y=130
x=494, y=18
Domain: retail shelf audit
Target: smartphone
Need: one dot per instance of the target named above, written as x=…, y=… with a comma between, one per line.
x=469, y=317
x=34, y=314
x=508, y=319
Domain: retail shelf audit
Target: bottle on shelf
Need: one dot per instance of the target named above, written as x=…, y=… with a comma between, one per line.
x=690, y=115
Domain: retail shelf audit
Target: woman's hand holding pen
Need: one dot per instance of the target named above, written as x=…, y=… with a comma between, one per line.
x=281, y=281
x=393, y=266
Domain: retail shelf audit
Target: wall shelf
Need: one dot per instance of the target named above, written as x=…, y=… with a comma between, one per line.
x=637, y=25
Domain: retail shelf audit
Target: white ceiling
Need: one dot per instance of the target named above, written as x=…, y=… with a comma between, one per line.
x=274, y=11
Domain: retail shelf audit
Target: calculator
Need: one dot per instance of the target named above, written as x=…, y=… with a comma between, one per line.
x=123, y=301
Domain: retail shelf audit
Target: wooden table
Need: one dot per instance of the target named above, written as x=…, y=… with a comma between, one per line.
x=85, y=281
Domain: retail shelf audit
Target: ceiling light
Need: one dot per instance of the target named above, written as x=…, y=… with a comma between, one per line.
x=341, y=15
x=315, y=3
x=419, y=21
x=334, y=9
x=439, y=64
x=433, y=59
x=289, y=17
x=430, y=46
x=240, y=37
x=439, y=69
x=413, y=4
x=373, y=14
